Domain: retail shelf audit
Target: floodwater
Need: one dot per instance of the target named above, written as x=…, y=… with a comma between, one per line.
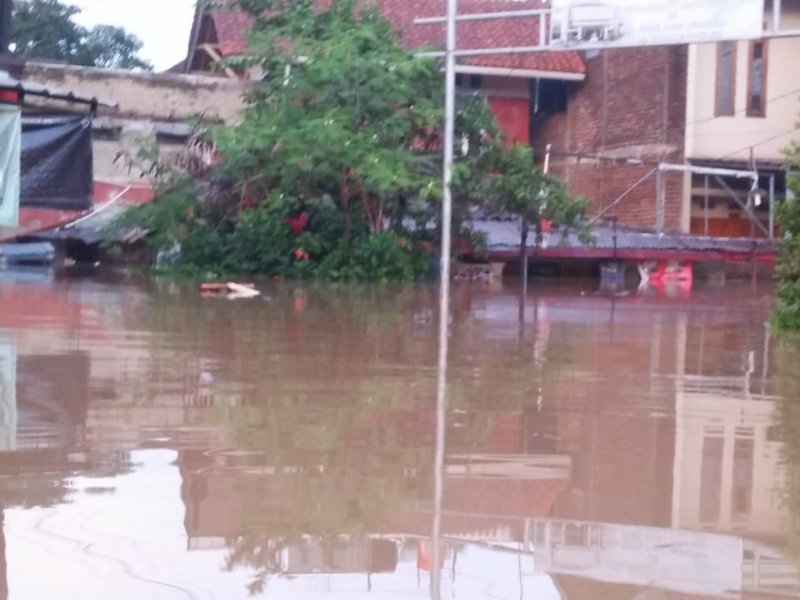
x=156, y=444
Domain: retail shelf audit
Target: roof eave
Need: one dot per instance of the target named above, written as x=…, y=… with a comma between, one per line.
x=519, y=73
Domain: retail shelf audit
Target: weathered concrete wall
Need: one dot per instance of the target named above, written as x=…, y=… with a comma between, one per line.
x=155, y=96
x=153, y=110
x=632, y=105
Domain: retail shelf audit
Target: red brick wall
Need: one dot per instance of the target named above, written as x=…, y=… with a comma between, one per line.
x=632, y=104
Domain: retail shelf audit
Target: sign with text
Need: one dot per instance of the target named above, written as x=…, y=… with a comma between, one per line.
x=627, y=23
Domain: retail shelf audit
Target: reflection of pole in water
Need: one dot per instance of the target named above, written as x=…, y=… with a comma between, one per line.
x=8, y=393
x=3, y=564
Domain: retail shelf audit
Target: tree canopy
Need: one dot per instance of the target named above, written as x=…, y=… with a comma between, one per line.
x=336, y=167
x=46, y=29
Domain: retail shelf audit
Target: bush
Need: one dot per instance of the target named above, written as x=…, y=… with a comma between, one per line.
x=787, y=315
x=260, y=241
x=381, y=257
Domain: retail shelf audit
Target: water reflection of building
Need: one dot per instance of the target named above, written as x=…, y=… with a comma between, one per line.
x=586, y=458
x=729, y=474
x=486, y=492
x=674, y=430
x=662, y=558
x=43, y=408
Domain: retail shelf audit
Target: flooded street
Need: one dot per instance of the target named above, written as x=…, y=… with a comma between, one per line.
x=156, y=444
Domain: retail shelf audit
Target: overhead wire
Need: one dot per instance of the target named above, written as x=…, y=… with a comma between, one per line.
x=762, y=142
x=744, y=110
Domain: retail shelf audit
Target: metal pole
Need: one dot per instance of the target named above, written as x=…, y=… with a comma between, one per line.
x=547, y=150
x=543, y=29
x=705, y=210
x=523, y=251
x=777, y=9
x=6, y=11
x=741, y=204
x=659, y=201
x=503, y=14
x=772, y=207
x=444, y=295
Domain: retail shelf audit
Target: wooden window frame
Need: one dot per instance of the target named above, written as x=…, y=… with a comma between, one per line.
x=718, y=109
x=762, y=111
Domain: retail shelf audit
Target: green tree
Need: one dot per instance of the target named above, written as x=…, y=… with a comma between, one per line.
x=788, y=296
x=344, y=131
x=46, y=29
x=338, y=113
x=112, y=47
x=518, y=187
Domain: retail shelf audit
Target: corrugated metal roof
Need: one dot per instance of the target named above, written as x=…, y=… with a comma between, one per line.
x=503, y=235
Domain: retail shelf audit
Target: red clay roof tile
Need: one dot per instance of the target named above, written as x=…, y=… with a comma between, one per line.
x=232, y=26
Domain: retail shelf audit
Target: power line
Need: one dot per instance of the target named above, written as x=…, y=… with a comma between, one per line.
x=761, y=143
x=742, y=110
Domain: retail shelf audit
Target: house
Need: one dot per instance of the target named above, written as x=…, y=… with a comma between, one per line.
x=125, y=116
x=742, y=113
x=611, y=117
x=510, y=83
x=727, y=105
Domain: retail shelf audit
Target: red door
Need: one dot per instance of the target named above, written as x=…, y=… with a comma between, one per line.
x=513, y=117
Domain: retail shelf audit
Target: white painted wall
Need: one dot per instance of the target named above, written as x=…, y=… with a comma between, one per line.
x=710, y=137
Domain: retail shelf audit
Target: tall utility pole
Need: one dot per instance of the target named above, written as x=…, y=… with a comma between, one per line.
x=6, y=10
x=444, y=294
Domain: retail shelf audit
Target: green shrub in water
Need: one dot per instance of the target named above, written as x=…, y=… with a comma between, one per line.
x=379, y=257
x=260, y=242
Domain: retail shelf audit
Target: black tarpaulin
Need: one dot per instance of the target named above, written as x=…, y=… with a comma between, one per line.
x=56, y=162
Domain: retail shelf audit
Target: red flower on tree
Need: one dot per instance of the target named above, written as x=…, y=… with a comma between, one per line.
x=301, y=254
x=298, y=224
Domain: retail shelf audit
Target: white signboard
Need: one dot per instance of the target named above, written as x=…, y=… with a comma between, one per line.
x=594, y=23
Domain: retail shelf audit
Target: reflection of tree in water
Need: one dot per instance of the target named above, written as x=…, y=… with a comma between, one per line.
x=321, y=475
x=786, y=358
x=41, y=478
x=348, y=341
x=337, y=420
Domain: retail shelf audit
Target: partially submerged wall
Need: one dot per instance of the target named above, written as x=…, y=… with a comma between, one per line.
x=153, y=112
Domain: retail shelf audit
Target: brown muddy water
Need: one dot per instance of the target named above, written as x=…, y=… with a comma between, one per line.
x=156, y=444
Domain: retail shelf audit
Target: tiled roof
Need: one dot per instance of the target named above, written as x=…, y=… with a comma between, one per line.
x=481, y=34
x=232, y=25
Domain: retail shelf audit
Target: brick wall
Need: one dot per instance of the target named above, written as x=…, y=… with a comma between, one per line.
x=632, y=105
